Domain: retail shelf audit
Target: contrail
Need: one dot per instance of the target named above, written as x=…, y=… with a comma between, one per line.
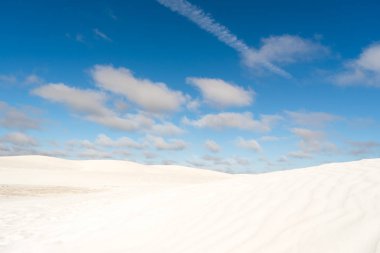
x=207, y=23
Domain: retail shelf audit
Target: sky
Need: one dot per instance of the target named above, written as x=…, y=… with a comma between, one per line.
x=236, y=86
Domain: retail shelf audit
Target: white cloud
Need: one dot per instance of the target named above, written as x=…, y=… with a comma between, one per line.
x=207, y=23
x=151, y=96
x=248, y=144
x=92, y=104
x=18, y=139
x=363, y=71
x=311, y=143
x=286, y=49
x=17, y=143
x=128, y=122
x=101, y=35
x=222, y=94
x=363, y=147
x=242, y=161
x=102, y=147
x=193, y=105
x=162, y=144
x=86, y=144
x=280, y=49
x=13, y=118
x=84, y=101
x=105, y=141
x=216, y=160
x=370, y=58
x=313, y=119
x=242, y=121
x=212, y=146
x=150, y=155
x=166, y=129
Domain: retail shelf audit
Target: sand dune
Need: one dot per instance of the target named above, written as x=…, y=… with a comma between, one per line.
x=55, y=205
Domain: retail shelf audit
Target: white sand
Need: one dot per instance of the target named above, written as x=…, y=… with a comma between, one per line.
x=55, y=205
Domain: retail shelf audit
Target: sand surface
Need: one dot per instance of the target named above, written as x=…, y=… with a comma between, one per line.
x=55, y=205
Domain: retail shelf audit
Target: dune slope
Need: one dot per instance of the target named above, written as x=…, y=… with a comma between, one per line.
x=55, y=205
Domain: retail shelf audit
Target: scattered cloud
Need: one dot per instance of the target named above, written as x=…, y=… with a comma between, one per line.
x=363, y=147
x=150, y=155
x=86, y=144
x=101, y=35
x=142, y=92
x=216, y=160
x=83, y=101
x=103, y=147
x=128, y=122
x=222, y=33
x=220, y=93
x=18, y=139
x=193, y=105
x=276, y=49
x=287, y=49
x=166, y=129
x=242, y=161
x=105, y=141
x=311, y=119
x=162, y=144
x=14, y=118
x=248, y=144
x=311, y=143
x=243, y=121
x=212, y=146
x=363, y=71
x=92, y=105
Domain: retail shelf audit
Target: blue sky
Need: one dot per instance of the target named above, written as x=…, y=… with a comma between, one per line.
x=238, y=86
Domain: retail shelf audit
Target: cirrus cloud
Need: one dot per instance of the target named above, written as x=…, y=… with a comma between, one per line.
x=275, y=50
